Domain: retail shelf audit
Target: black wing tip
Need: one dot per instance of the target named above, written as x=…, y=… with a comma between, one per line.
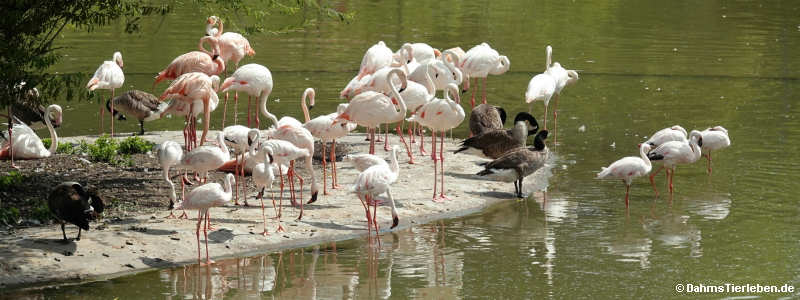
x=395, y=222
x=655, y=156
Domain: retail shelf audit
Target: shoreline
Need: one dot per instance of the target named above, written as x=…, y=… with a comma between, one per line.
x=35, y=257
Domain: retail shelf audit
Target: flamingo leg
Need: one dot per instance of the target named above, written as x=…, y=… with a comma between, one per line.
x=653, y=182
x=484, y=89
x=386, y=139
x=325, y=170
x=235, y=108
x=102, y=119
x=249, y=110
x=334, y=180
x=244, y=179
x=366, y=211
x=708, y=156
x=290, y=177
x=197, y=233
x=205, y=233
x=258, y=121
x=112, y=114
x=263, y=214
x=472, y=98
x=409, y=131
x=224, y=110
x=545, y=116
x=441, y=173
x=671, y=178
x=555, y=120
x=372, y=141
x=435, y=167
x=280, y=174
x=399, y=130
x=421, y=141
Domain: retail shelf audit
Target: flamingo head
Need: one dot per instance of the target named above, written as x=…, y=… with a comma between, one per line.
x=118, y=59
x=212, y=20
x=215, y=82
x=232, y=83
x=310, y=93
x=572, y=76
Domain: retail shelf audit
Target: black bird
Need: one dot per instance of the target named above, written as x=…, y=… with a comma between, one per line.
x=71, y=203
x=514, y=165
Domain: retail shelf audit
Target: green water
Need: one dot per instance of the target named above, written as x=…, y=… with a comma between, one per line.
x=644, y=65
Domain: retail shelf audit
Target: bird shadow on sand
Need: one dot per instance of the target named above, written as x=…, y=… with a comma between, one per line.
x=494, y=194
x=333, y=226
x=462, y=175
x=157, y=262
x=221, y=235
x=57, y=245
x=151, y=231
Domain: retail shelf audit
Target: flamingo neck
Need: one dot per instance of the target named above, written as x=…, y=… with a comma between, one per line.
x=309, y=91
x=221, y=141
x=394, y=166
x=220, y=65
x=395, y=93
x=549, y=60
x=643, y=153
x=262, y=106
x=452, y=65
x=227, y=187
x=429, y=85
x=53, y=135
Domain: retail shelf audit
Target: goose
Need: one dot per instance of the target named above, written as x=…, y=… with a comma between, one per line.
x=493, y=144
x=628, y=168
x=714, y=138
x=72, y=203
x=142, y=105
x=518, y=163
x=486, y=117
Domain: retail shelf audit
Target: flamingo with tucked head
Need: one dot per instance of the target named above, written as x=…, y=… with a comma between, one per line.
x=190, y=88
x=479, y=62
x=674, y=153
x=628, y=168
x=376, y=57
x=204, y=61
x=714, y=138
x=562, y=77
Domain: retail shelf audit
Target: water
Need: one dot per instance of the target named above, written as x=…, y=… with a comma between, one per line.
x=644, y=66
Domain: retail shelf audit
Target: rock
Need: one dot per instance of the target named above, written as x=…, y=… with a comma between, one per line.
x=174, y=238
x=57, y=259
x=106, y=255
x=129, y=266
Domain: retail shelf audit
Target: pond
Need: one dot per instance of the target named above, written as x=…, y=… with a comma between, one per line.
x=644, y=65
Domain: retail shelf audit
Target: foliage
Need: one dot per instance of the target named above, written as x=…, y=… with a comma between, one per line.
x=65, y=148
x=13, y=178
x=9, y=215
x=135, y=145
x=41, y=212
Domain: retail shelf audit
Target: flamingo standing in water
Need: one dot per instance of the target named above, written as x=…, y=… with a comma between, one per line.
x=233, y=46
x=109, y=76
x=203, y=198
x=263, y=176
x=374, y=181
x=370, y=109
x=479, y=62
x=440, y=115
x=562, y=77
x=208, y=62
x=256, y=81
x=628, y=168
x=376, y=57
x=322, y=128
x=674, y=133
x=540, y=88
x=677, y=152
x=191, y=87
x=26, y=144
x=714, y=138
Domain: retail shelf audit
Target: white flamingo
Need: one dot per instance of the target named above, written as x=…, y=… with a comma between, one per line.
x=170, y=154
x=206, y=158
x=440, y=115
x=677, y=152
x=241, y=139
x=202, y=198
x=26, y=144
x=374, y=181
x=628, y=168
x=563, y=77
x=283, y=153
x=233, y=46
x=108, y=76
x=256, y=81
x=322, y=128
x=363, y=161
x=263, y=177
x=370, y=109
x=441, y=72
x=674, y=133
x=714, y=138
x=479, y=62
x=540, y=88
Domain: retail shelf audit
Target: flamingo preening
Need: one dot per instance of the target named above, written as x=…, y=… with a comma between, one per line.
x=714, y=138
x=628, y=168
x=674, y=153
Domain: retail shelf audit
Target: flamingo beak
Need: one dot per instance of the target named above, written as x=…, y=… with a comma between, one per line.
x=313, y=198
x=395, y=221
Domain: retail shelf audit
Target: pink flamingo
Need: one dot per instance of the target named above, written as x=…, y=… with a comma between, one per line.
x=256, y=81
x=440, y=115
x=479, y=62
x=241, y=139
x=283, y=153
x=191, y=87
x=714, y=138
x=370, y=109
x=374, y=181
x=233, y=46
x=208, y=62
x=321, y=128
x=674, y=133
x=203, y=198
x=628, y=168
x=376, y=57
x=109, y=76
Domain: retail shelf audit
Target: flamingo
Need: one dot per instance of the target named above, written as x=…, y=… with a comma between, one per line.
x=169, y=155
x=376, y=57
x=374, y=181
x=363, y=161
x=190, y=88
x=370, y=109
x=714, y=138
x=540, y=88
x=480, y=61
x=208, y=62
x=284, y=152
x=563, y=77
x=262, y=177
x=321, y=127
x=354, y=85
x=441, y=72
x=256, y=81
x=674, y=133
x=628, y=168
x=514, y=165
x=205, y=158
x=109, y=76
x=26, y=144
x=440, y=115
x=677, y=152
x=241, y=139
x=202, y=198
x=233, y=46
x=142, y=105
